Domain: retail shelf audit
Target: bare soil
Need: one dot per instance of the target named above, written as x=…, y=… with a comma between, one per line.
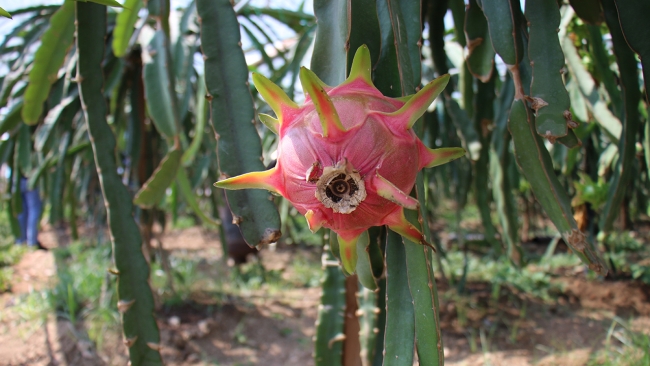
x=276, y=329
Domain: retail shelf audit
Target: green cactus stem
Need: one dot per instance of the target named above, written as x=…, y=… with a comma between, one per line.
x=135, y=302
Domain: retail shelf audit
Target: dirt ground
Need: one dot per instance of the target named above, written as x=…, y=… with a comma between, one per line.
x=276, y=329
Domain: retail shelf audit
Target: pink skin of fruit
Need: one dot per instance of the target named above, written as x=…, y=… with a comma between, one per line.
x=348, y=158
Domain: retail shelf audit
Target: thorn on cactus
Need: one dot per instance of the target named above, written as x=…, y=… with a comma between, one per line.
x=348, y=158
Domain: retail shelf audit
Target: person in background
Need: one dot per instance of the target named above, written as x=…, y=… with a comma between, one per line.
x=28, y=218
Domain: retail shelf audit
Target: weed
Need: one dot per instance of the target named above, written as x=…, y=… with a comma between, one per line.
x=623, y=347
x=499, y=273
x=5, y=278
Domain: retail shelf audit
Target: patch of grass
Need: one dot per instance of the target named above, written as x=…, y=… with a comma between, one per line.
x=10, y=254
x=629, y=256
x=623, y=347
x=184, y=222
x=84, y=291
x=5, y=278
x=304, y=272
x=500, y=273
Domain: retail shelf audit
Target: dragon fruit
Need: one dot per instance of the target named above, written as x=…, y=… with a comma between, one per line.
x=348, y=158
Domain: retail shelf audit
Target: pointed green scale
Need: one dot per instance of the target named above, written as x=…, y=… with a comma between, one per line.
x=418, y=104
x=361, y=66
x=329, y=118
x=445, y=155
x=272, y=123
x=348, y=251
x=390, y=192
x=273, y=94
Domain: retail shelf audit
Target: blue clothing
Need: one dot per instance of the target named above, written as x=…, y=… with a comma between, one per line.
x=28, y=219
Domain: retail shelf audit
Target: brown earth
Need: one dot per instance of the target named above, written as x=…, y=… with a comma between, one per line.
x=276, y=328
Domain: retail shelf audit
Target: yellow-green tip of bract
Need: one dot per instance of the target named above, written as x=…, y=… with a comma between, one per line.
x=253, y=180
x=273, y=95
x=348, y=249
x=390, y=192
x=329, y=118
x=444, y=155
x=361, y=66
x=272, y=123
x=415, y=107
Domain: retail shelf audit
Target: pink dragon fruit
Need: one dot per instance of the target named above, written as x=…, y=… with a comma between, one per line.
x=347, y=159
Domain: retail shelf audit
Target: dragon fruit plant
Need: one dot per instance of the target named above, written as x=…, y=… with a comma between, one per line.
x=347, y=158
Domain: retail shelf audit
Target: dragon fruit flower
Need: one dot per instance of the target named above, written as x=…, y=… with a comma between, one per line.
x=347, y=158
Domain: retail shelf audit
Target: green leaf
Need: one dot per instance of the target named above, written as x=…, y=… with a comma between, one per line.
x=363, y=265
x=480, y=60
x=48, y=59
x=601, y=64
x=364, y=29
x=395, y=67
x=330, y=46
x=4, y=13
x=104, y=2
x=629, y=76
x=161, y=98
x=422, y=285
x=199, y=128
x=239, y=148
x=328, y=346
x=597, y=105
x=400, y=319
x=367, y=313
x=503, y=23
x=24, y=150
x=295, y=20
x=65, y=110
x=500, y=160
x=633, y=16
x=12, y=119
x=186, y=189
x=550, y=99
x=457, y=8
x=153, y=190
x=483, y=121
x=135, y=300
x=124, y=24
x=588, y=10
